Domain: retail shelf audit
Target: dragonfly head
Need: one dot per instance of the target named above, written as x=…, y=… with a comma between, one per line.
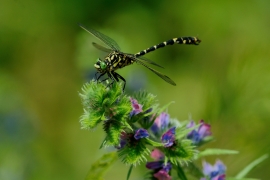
x=100, y=65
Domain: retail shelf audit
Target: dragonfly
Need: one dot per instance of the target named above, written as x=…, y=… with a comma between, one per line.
x=117, y=59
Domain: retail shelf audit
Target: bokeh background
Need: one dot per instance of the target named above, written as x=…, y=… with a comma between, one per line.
x=45, y=58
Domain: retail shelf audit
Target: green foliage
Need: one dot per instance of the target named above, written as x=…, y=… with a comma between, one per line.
x=180, y=171
x=149, y=107
x=194, y=170
x=153, y=143
x=250, y=166
x=98, y=168
x=233, y=178
x=210, y=152
x=113, y=129
x=92, y=99
x=129, y=171
x=107, y=104
x=183, y=152
x=134, y=153
x=148, y=100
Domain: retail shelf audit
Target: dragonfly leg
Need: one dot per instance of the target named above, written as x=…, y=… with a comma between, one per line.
x=116, y=76
x=104, y=79
x=96, y=75
x=112, y=78
x=97, y=78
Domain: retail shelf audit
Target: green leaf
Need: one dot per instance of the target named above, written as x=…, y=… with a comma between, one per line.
x=194, y=170
x=183, y=152
x=180, y=171
x=115, y=92
x=103, y=143
x=153, y=143
x=134, y=152
x=247, y=169
x=129, y=172
x=98, y=169
x=113, y=129
x=233, y=178
x=209, y=152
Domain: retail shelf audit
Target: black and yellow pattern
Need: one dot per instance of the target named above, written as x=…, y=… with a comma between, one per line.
x=181, y=40
x=117, y=59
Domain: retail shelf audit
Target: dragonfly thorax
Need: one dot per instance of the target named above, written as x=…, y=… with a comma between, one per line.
x=113, y=61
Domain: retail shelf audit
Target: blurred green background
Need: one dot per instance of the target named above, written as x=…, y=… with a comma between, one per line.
x=45, y=58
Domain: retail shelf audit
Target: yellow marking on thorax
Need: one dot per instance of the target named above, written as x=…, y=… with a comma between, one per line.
x=115, y=64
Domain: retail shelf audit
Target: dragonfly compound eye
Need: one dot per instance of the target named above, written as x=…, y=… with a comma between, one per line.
x=103, y=65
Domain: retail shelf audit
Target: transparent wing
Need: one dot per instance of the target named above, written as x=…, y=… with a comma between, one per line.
x=149, y=61
x=164, y=77
x=101, y=47
x=102, y=37
x=143, y=59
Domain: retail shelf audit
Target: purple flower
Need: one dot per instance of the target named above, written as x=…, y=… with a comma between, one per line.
x=158, y=164
x=197, y=135
x=160, y=168
x=123, y=140
x=157, y=155
x=215, y=172
x=141, y=133
x=168, y=137
x=162, y=175
x=136, y=107
x=160, y=123
x=154, y=165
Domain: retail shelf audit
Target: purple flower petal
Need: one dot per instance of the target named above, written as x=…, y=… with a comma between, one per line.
x=162, y=175
x=191, y=124
x=215, y=172
x=204, y=129
x=154, y=165
x=207, y=168
x=221, y=168
x=141, y=133
x=168, y=137
x=157, y=155
x=161, y=123
x=123, y=140
x=194, y=136
x=219, y=177
x=197, y=135
x=136, y=107
x=167, y=167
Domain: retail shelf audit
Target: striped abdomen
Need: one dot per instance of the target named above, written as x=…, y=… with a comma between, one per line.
x=181, y=40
